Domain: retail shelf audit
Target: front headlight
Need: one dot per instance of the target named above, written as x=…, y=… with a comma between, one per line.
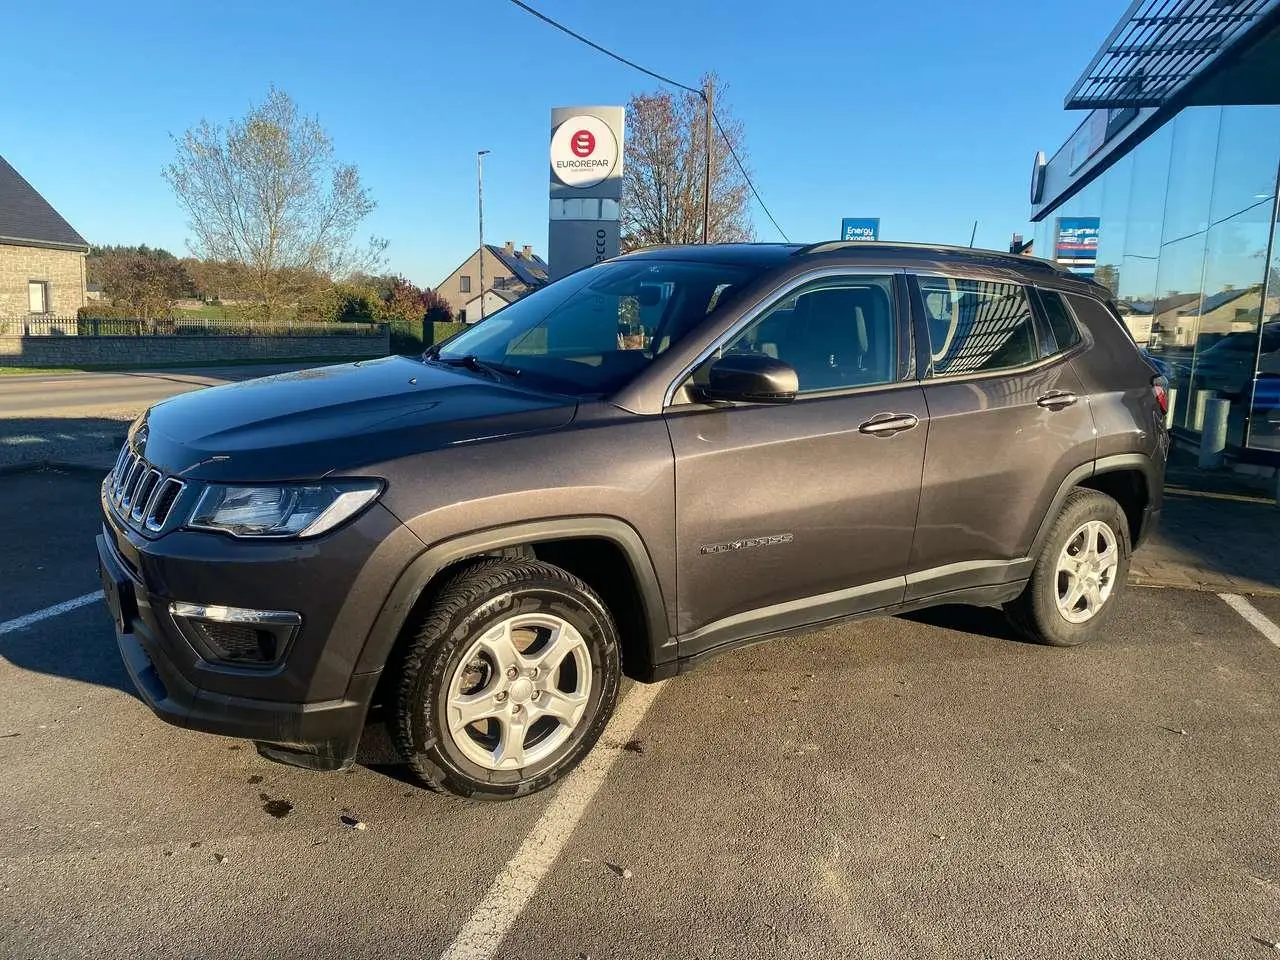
x=282, y=510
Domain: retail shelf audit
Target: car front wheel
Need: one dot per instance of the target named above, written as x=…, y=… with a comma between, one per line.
x=507, y=683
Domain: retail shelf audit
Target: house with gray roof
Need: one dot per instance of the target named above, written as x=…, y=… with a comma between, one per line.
x=42, y=267
x=507, y=271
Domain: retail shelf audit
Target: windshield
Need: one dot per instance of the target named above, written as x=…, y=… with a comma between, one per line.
x=594, y=331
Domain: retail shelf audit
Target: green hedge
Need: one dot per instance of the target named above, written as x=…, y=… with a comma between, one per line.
x=106, y=311
x=407, y=337
x=443, y=330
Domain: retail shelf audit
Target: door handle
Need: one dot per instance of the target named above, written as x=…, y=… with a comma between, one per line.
x=1057, y=399
x=887, y=424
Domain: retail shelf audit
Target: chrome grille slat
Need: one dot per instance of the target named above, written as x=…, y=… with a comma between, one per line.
x=142, y=495
x=161, y=505
x=131, y=480
x=122, y=470
x=143, y=492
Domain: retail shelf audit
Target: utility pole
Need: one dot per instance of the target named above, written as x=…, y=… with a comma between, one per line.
x=708, y=98
x=480, y=199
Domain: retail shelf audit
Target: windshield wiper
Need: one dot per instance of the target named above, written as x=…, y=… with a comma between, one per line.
x=499, y=371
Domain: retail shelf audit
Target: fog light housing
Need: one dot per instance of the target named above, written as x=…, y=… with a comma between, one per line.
x=236, y=635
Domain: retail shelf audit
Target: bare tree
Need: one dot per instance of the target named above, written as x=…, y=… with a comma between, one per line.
x=665, y=169
x=266, y=193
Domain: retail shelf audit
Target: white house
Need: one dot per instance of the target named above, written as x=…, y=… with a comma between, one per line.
x=494, y=300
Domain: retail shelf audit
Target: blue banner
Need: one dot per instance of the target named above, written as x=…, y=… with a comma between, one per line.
x=864, y=228
x=1077, y=240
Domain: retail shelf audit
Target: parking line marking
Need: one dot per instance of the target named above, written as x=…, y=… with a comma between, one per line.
x=1256, y=618
x=9, y=626
x=482, y=935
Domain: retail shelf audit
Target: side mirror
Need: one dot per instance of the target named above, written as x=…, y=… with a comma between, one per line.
x=750, y=378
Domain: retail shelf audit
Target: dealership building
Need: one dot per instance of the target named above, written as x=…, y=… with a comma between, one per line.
x=1166, y=193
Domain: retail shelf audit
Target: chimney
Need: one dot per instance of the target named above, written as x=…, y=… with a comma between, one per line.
x=527, y=252
x=509, y=247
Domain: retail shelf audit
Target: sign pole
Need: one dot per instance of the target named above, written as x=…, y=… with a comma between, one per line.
x=480, y=200
x=708, y=96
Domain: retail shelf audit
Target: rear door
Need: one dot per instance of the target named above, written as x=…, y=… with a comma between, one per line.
x=1008, y=420
x=795, y=513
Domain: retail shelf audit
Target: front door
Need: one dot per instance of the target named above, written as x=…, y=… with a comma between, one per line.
x=797, y=513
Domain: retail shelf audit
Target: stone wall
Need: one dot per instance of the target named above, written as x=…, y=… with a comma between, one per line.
x=62, y=270
x=138, y=352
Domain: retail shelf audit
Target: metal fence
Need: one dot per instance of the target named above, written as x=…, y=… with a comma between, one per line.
x=41, y=326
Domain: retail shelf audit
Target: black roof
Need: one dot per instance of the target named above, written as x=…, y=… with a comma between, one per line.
x=27, y=219
x=532, y=270
x=772, y=254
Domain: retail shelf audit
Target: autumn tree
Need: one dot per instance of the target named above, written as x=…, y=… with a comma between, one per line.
x=147, y=281
x=665, y=167
x=267, y=194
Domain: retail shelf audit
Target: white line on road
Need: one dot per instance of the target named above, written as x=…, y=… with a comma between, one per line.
x=1256, y=618
x=56, y=610
x=483, y=934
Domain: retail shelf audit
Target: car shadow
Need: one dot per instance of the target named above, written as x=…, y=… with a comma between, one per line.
x=979, y=621
x=79, y=646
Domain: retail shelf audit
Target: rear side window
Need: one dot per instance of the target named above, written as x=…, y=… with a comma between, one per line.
x=977, y=326
x=1061, y=322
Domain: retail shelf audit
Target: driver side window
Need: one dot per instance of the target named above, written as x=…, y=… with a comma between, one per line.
x=837, y=333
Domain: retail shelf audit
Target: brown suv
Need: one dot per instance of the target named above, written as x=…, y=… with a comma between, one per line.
x=654, y=460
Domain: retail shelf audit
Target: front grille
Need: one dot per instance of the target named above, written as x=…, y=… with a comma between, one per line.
x=142, y=494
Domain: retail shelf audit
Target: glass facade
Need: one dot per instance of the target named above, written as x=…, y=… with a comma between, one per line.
x=1188, y=244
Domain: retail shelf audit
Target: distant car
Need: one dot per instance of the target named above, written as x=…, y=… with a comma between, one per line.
x=1162, y=366
x=1228, y=365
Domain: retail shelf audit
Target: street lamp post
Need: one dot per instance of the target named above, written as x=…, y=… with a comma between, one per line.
x=480, y=200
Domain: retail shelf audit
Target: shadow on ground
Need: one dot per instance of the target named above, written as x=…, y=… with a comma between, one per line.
x=980, y=621
x=29, y=441
x=1211, y=538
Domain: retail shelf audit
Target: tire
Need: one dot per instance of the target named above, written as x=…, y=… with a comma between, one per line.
x=1043, y=612
x=488, y=645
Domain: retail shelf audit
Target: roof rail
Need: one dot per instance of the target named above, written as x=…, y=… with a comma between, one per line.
x=999, y=257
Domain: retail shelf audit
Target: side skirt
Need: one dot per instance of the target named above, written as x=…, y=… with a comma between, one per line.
x=993, y=595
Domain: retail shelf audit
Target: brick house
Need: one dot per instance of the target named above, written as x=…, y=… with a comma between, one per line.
x=505, y=269
x=42, y=267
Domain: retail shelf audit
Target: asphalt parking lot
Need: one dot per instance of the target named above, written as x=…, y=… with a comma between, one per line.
x=923, y=787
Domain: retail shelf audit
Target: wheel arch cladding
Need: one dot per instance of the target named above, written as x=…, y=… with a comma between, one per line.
x=1128, y=487
x=605, y=552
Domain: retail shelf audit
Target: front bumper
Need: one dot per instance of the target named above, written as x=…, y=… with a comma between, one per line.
x=321, y=735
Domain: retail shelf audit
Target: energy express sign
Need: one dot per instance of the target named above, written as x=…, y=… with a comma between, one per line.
x=584, y=152
x=866, y=228
x=1077, y=240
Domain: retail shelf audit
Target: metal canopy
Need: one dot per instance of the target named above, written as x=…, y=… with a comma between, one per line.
x=1159, y=46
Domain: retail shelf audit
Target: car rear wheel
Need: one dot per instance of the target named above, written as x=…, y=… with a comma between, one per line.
x=1071, y=595
x=507, y=683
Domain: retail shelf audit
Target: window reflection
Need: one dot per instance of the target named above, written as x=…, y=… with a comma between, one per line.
x=1186, y=223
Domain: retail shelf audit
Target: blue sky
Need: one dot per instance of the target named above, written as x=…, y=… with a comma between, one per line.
x=924, y=113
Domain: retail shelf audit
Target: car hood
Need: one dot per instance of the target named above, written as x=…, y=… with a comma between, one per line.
x=333, y=420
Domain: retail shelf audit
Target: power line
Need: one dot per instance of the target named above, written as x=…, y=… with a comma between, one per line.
x=667, y=80
x=733, y=153
x=595, y=46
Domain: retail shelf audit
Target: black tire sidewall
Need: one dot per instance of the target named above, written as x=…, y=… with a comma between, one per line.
x=432, y=745
x=1041, y=619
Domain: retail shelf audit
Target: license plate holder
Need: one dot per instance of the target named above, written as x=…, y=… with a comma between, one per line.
x=119, y=597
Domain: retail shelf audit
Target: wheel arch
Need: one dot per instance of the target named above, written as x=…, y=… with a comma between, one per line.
x=606, y=552
x=1132, y=479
